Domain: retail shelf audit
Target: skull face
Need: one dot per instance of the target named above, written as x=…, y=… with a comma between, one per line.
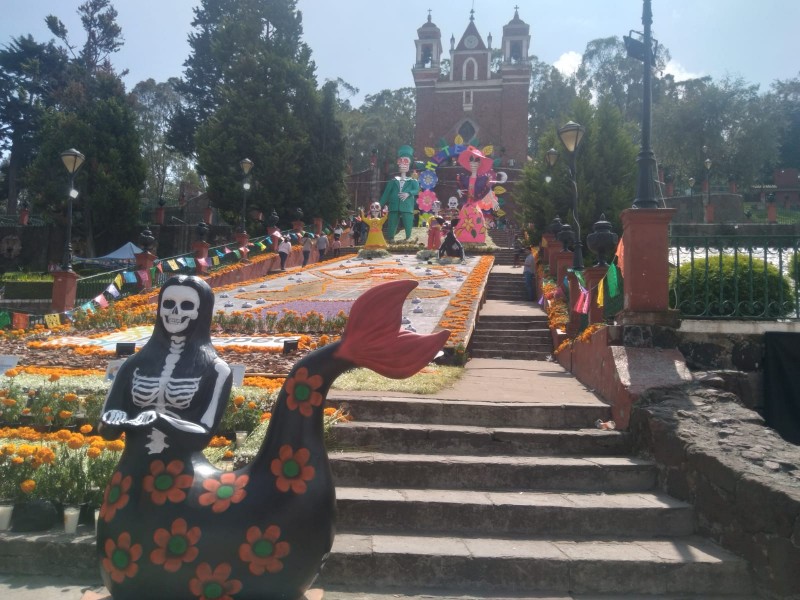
x=403, y=164
x=178, y=309
x=375, y=209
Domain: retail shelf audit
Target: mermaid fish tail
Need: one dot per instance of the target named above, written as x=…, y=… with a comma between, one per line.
x=373, y=338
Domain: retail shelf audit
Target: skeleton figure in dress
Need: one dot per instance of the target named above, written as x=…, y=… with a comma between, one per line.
x=176, y=385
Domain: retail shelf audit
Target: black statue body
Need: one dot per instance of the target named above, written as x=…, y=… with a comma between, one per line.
x=451, y=247
x=174, y=527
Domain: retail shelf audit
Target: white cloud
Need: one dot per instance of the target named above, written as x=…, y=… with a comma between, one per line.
x=679, y=72
x=568, y=63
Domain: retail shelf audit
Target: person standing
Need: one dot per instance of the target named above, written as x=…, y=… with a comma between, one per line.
x=336, y=244
x=284, y=248
x=308, y=244
x=322, y=246
x=529, y=273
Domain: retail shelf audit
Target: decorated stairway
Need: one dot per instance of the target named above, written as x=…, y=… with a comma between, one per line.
x=493, y=500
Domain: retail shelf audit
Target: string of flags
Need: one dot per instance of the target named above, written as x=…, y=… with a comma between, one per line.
x=21, y=320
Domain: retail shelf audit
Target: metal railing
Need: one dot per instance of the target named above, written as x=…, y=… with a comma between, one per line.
x=735, y=277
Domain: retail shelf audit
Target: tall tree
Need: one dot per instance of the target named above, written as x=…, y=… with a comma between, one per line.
x=92, y=113
x=249, y=91
x=30, y=73
x=605, y=167
x=785, y=98
x=550, y=99
x=383, y=123
x=155, y=104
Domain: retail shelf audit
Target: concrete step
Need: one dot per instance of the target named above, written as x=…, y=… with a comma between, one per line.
x=505, y=319
x=466, y=512
x=451, y=471
x=453, y=593
x=536, y=351
x=502, y=330
x=416, y=438
x=510, y=354
x=503, y=566
x=502, y=340
x=538, y=415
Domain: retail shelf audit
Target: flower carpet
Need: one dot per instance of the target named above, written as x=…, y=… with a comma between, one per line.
x=329, y=288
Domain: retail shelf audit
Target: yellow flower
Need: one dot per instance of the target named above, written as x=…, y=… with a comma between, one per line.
x=64, y=414
x=70, y=397
x=86, y=429
x=116, y=445
x=238, y=400
x=94, y=452
x=27, y=486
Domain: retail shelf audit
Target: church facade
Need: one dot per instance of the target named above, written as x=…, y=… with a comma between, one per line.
x=473, y=99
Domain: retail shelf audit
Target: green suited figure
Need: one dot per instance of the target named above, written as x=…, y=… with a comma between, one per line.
x=400, y=195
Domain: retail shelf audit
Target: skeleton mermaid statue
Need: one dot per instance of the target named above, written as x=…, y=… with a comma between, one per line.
x=175, y=386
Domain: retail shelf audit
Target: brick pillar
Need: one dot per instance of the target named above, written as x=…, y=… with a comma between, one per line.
x=593, y=276
x=317, y=226
x=645, y=237
x=65, y=289
x=144, y=262
x=564, y=261
x=708, y=213
x=574, y=324
x=772, y=212
x=24, y=214
x=158, y=215
x=732, y=187
x=549, y=242
x=669, y=192
x=200, y=249
x=208, y=213
x=242, y=239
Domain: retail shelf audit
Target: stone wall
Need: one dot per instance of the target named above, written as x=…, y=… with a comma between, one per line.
x=741, y=477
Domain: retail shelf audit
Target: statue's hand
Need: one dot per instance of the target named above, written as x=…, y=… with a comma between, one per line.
x=460, y=193
x=114, y=417
x=144, y=418
x=402, y=195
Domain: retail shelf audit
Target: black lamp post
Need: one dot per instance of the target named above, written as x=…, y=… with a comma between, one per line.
x=707, y=163
x=246, y=164
x=72, y=160
x=550, y=158
x=571, y=135
x=646, y=160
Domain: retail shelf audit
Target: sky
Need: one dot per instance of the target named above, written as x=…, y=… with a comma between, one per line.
x=370, y=43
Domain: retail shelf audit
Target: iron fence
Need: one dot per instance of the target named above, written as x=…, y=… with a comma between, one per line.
x=735, y=277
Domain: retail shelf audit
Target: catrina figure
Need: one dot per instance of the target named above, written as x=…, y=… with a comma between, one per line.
x=174, y=527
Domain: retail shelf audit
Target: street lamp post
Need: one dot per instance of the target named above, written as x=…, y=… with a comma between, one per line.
x=246, y=164
x=72, y=160
x=571, y=135
x=707, y=163
x=550, y=158
x=646, y=160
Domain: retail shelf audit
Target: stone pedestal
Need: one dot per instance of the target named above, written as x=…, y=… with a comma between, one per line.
x=593, y=276
x=65, y=288
x=242, y=239
x=144, y=262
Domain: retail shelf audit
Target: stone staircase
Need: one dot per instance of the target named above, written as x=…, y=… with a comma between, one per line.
x=519, y=336
x=496, y=500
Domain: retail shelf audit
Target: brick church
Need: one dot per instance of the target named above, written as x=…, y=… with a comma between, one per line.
x=473, y=99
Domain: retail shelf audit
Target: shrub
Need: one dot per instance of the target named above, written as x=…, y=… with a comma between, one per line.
x=731, y=286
